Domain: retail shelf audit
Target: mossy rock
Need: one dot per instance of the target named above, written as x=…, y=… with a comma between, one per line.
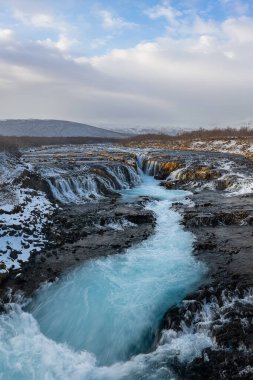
x=200, y=174
x=166, y=168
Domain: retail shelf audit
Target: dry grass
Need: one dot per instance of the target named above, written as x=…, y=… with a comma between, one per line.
x=202, y=134
x=13, y=143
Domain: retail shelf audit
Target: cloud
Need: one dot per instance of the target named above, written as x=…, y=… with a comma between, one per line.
x=201, y=26
x=114, y=22
x=160, y=83
x=236, y=6
x=241, y=8
x=99, y=42
x=40, y=20
x=63, y=43
x=202, y=75
x=169, y=13
x=49, y=22
x=6, y=35
x=239, y=30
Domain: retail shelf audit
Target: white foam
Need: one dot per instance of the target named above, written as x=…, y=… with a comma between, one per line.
x=120, y=225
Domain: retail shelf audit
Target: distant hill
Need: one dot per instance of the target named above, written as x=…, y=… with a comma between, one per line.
x=54, y=128
x=158, y=130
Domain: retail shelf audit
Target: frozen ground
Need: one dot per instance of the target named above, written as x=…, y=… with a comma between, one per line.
x=23, y=215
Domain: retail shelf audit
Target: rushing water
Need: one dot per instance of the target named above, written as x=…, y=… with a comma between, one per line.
x=99, y=321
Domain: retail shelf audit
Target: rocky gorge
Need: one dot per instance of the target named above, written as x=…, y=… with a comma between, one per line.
x=64, y=208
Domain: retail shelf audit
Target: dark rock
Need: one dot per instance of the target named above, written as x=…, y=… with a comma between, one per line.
x=32, y=180
x=14, y=254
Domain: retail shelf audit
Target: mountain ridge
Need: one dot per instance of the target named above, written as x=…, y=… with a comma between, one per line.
x=54, y=128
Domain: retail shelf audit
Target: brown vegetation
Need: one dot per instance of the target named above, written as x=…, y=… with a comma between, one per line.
x=13, y=143
x=202, y=134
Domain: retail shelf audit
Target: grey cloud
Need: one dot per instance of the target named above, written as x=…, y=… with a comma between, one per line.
x=168, y=82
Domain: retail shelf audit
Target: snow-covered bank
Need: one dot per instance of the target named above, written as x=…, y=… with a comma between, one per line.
x=234, y=146
x=24, y=213
x=22, y=224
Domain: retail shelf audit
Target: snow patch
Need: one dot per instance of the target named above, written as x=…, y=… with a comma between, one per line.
x=22, y=226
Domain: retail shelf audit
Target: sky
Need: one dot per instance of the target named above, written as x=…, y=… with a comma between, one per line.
x=125, y=64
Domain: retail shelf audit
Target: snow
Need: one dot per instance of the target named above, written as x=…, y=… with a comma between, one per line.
x=121, y=225
x=6, y=208
x=23, y=215
x=225, y=146
x=23, y=228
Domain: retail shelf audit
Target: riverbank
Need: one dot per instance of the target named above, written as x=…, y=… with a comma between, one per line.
x=232, y=142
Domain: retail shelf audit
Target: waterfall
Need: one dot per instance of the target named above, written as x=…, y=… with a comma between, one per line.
x=148, y=165
x=92, y=183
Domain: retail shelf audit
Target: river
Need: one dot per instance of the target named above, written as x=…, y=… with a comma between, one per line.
x=99, y=321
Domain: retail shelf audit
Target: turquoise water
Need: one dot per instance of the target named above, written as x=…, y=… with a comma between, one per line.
x=99, y=321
